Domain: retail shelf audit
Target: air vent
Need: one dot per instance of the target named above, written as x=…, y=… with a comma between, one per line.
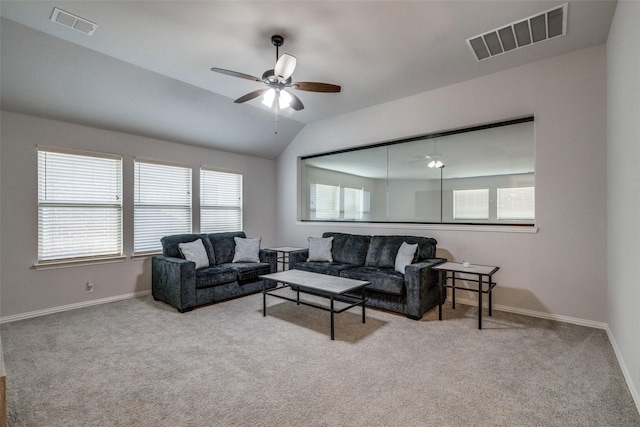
x=535, y=29
x=72, y=21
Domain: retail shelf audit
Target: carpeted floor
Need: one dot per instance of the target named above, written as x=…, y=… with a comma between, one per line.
x=140, y=363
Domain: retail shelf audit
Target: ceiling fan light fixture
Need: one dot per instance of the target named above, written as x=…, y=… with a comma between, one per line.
x=285, y=66
x=281, y=96
x=269, y=97
x=284, y=100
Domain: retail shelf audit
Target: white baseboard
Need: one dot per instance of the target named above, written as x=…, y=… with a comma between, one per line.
x=28, y=315
x=625, y=371
x=533, y=313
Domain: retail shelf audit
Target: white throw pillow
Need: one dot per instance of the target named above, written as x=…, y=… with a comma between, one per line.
x=195, y=251
x=405, y=256
x=247, y=250
x=320, y=249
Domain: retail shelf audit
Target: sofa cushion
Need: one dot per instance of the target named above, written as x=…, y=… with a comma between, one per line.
x=215, y=275
x=383, y=249
x=171, y=245
x=330, y=268
x=249, y=271
x=224, y=246
x=246, y=250
x=195, y=251
x=349, y=248
x=320, y=249
x=406, y=255
x=386, y=280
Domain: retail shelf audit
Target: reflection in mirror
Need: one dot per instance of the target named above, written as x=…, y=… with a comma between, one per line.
x=479, y=175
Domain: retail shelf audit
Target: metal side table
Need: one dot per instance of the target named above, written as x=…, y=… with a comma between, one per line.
x=283, y=255
x=452, y=270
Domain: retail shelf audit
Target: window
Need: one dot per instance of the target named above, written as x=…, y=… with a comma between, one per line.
x=324, y=201
x=471, y=204
x=162, y=203
x=220, y=201
x=79, y=205
x=516, y=203
x=353, y=203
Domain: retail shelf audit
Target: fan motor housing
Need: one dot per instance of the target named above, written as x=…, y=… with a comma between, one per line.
x=277, y=40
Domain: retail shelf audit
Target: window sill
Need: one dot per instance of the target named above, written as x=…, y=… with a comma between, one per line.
x=414, y=226
x=77, y=263
x=145, y=255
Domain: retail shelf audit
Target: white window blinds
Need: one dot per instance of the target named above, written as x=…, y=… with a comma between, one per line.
x=162, y=203
x=353, y=203
x=471, y=204
x=516, y=203
x=79, y=205
x=324, y=201
x=220, y=201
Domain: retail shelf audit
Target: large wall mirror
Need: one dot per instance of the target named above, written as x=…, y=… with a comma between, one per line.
x=479, y=175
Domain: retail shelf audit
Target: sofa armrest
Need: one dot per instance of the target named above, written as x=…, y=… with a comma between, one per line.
x=419, y=278
x=270, y=257
x=173, y=280
x=297, y=256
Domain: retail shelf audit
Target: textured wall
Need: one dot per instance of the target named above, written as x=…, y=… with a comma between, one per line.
x=27, y=290
x=623, y=177
x=558, y=271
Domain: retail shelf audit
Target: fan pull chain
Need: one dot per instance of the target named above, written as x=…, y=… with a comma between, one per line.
x=275, y=125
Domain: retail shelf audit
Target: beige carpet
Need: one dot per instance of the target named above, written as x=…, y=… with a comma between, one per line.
x=140, y=363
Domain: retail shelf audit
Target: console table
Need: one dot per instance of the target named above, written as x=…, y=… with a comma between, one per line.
x=452, y=270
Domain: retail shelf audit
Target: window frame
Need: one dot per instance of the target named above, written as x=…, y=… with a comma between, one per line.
x=69, y=197
x=229, y=207
x=143, y=247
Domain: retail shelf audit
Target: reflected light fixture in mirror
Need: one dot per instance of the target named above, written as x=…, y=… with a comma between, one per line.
x=434, y=163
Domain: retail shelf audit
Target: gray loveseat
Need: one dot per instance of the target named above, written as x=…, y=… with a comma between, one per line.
x=177, y=282
x=372, y=258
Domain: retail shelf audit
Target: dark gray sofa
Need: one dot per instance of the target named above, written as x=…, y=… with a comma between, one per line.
x=176, y=281
x=372, y=258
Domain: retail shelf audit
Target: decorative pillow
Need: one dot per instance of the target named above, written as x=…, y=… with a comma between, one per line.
x=320, y=249
x=405, y=256
x=195, y=251
x=247, y=250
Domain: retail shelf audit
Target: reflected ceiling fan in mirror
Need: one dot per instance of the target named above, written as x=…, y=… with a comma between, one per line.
x=278, y=81
x=433, y=160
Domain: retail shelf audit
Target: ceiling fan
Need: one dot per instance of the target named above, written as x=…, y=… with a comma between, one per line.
x=278, y=80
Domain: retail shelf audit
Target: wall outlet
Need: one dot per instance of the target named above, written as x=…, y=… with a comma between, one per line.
x=88, y=286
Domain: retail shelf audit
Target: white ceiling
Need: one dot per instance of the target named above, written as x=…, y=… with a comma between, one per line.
x=146, y=69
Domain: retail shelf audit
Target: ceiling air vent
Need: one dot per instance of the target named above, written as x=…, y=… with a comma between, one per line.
x=72, y=21
x=538, y=28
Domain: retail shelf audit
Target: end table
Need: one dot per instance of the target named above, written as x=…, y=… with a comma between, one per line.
x=452, y=270
x=283, y=255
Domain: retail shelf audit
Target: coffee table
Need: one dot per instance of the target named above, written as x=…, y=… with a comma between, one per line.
x=333, y=287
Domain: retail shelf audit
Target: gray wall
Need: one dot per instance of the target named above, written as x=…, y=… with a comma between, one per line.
x=559, y=271
x=25, y=290
x=623, y=192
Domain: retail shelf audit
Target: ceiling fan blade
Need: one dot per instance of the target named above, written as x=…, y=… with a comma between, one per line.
x=236, y=74
x=250, y=96
x=285, y=66
x=316, y=87
x=295, y=103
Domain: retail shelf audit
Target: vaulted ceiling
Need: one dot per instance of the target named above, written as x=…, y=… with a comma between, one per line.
x=146, y=68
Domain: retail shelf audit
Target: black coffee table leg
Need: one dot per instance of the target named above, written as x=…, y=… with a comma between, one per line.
x=332, y=337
